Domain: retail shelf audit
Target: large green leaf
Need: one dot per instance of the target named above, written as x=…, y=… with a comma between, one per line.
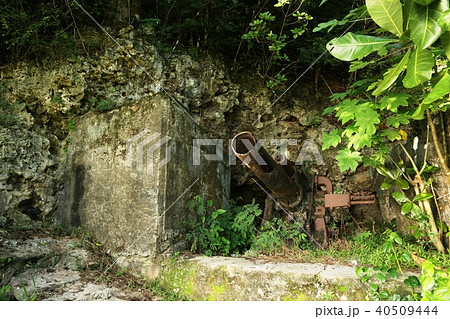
x=359, y=140
x=406, y=9
x=419, y=113
x=347, y=110
x=391, y=75
x=419, y=68
x=424, y=2
x=439, y=90
x=444, y=21
x=355, y=46
x=445, y=41
x=387, y=14
x=425, y=29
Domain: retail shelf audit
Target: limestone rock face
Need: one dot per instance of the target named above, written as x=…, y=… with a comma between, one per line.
x=27, y=181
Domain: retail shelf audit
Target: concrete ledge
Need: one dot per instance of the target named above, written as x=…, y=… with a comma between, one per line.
x=227, y=278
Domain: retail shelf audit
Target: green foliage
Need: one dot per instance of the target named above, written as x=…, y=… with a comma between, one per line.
x=276, y=234
x=211, y=25
x=267, y=38
x=435, y=283
x=410, y=208
x=4, y=293
x=381, y=273
x=164, y=294
x=387, y=14
x=41, y=29
x=356, y=46
x=372, y=121
x=348, y=159
x=234, y=230
x=407, y=46
x=105, y=102
x=222, y=231
x=103, y=105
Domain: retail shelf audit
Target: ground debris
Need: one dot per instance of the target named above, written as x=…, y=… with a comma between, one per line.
x=62, y=268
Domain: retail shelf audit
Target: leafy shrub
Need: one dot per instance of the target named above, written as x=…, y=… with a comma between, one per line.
x=37, y=28
x=222, y=231
x=234, y=230
x=276, y=234
x=435, y=283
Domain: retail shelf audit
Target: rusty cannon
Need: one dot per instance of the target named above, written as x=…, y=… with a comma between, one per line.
x=282, y=178
x=301, y=198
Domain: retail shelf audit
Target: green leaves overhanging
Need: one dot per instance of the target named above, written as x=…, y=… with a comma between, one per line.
x=391, y=75
x=439, y=90
x=387, y=14
x=419, y=68
x=355, y=46
x=423, y=21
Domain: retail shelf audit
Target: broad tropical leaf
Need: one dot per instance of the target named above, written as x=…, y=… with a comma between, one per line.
x=424, y=2
x=387, y=14
x=445, y=40
x=444, y=21
x=439, y=90
x=406, y=10
x=425, y=29
x=419, y=68
x=355, y=46
x=391, y=75
x=419, y=113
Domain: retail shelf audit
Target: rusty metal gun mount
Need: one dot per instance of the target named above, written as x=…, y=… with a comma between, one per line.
x=282, y=178
x=290, y=187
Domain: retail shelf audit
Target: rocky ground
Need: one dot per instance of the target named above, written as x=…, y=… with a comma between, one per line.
x=46, y=265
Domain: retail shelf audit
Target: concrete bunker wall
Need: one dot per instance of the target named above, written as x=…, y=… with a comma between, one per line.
x=129, y=174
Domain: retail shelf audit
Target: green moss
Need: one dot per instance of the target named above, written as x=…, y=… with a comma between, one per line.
x=195, y=282
x=179, y=278
x=217, y=291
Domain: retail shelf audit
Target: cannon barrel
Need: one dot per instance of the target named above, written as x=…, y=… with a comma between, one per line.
x=278, y=174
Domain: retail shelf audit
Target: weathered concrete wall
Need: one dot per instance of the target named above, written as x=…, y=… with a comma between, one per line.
x=134, y=211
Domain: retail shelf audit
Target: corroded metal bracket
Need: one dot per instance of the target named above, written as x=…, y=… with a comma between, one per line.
x=325, y=199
